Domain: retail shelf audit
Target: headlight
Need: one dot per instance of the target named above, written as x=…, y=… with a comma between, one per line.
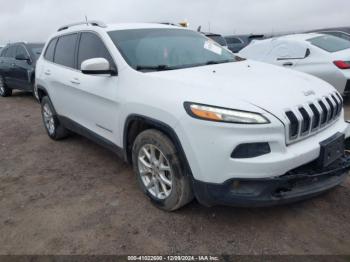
x=218, y=114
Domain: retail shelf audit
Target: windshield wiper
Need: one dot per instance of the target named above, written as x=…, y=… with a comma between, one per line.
x=219, y=62
x=155, y=68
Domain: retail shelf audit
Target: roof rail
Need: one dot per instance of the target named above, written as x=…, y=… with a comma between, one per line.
x=92, y=23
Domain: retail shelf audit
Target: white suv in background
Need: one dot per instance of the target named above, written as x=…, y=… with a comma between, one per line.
x=193, y=119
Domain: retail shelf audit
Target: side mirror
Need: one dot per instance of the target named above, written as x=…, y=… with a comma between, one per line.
x=22, y=57
x=97, y=66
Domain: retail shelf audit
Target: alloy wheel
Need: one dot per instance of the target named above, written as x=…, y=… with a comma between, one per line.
x=155, y=171
x=48, y=119
x=2, y=87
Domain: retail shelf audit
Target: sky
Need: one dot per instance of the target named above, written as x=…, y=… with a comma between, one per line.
x=35, y=20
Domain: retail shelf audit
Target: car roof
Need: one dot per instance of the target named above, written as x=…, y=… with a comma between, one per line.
x=111, y=27
x=299, y=37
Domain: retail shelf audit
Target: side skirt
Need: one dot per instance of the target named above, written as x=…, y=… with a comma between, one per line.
x=83, y=131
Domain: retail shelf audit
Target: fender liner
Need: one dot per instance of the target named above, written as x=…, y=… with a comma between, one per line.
x=166, y=129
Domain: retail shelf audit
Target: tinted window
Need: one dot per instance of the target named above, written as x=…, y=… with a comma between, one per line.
x=65, y=50
x=91, y=46
x=11, y=51
x=36, y=49
x=3, y=52
x=168, y=48
x=21, y=51
x=330, y=43
x=218, y=39
x=339, y=34
x=233, y=40
x=50, y=50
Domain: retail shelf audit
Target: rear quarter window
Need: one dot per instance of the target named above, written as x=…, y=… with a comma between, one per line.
x=50, y=50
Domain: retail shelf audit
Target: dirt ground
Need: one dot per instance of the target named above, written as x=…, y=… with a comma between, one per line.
x=75, y=197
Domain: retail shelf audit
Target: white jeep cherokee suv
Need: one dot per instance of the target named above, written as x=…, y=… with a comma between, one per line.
x=193, y=119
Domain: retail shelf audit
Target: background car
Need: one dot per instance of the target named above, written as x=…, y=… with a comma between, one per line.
x=342, y=32
x=17, y=67
x=237, y=42
x=324, y=56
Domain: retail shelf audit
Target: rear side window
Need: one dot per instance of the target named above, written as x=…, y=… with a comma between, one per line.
x=11, y=51
x=65, y=50
x=91, y=46
x=3, y=52
x=50, y=50
x=219, y=39
x=330, y=43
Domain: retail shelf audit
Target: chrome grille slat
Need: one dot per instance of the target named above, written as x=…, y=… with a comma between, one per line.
x=312, y=117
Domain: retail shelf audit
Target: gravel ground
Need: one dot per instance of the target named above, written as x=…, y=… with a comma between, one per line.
x=74, y=197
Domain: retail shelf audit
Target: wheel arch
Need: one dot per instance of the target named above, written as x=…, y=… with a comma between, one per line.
x=42, y=91
x=135, y=124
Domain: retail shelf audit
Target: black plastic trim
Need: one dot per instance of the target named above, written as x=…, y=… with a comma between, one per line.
x=83, y=131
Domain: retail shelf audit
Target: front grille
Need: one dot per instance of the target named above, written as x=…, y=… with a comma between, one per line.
x=303, y=121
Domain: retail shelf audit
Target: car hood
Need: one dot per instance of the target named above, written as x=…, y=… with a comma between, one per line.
x=246, y=85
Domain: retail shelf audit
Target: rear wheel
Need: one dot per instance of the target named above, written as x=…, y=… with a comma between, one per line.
x=54, y=128
x=4, y=91
x=158, y=169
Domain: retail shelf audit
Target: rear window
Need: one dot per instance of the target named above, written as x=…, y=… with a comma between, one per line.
x=233, y=40
x=330, y=43
x=218, y=39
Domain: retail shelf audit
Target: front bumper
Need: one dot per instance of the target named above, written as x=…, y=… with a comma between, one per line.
x=302, y=183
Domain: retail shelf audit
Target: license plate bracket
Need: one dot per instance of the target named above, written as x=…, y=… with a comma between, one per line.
x=331, y=149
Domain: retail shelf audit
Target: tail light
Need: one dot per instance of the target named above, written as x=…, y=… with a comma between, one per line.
x=342, y=64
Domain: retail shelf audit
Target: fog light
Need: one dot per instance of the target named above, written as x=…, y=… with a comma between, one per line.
x=251, y=150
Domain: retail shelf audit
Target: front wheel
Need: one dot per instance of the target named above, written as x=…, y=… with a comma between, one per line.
x=158, y=169
x=4, y=90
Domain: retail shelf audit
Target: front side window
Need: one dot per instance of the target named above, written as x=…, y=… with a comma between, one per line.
x=21, y=51
x=91, y=46
x=330, y=43
x=168, y=49
x=50, y=50
x=65, y=50
x=3, y=52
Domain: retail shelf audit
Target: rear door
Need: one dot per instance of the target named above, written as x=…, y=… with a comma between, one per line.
x=59, y=75
x=8, y=65
x=22, y=70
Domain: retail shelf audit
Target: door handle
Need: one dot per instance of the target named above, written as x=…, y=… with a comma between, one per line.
x=288, y=64
x=75, y=81
x=48, y=72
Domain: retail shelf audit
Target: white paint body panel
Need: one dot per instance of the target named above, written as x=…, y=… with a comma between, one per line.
x=107, y=101
x=319, y=63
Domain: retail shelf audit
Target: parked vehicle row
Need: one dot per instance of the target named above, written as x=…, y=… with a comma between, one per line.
x=324, y=56
x=17, y=67
x=192, y=118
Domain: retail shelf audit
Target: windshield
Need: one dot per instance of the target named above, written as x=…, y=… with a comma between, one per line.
x=36, y=49
x=168, y=49
x=330, y=43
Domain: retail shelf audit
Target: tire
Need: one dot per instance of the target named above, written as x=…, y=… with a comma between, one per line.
x=4, y=90
x=157, y=173
x=54, y=128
